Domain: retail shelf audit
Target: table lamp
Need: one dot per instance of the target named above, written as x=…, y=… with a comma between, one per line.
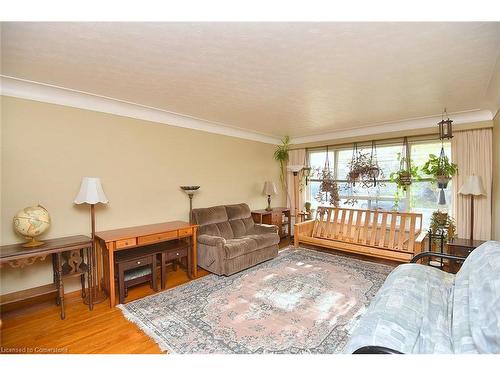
x=473, y=186
x=91, y=193
x=269, y=189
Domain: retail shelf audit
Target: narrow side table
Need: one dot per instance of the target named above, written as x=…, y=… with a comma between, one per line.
x=68, y=259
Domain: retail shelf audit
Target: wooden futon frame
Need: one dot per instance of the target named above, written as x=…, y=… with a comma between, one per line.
x=383, y=234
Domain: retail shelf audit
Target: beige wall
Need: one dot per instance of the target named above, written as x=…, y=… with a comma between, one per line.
x=495, y=232
x=46, y=149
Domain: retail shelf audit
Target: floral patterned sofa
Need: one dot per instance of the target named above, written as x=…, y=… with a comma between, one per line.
x=421, y=309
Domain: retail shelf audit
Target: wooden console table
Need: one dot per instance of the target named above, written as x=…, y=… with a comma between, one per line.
x=72, y=263
x=108, y=242
x=275, y=217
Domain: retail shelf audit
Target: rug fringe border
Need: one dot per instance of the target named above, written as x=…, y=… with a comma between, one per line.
x=153, y=335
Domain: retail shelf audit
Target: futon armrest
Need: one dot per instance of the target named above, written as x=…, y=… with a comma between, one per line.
x=208, y=240
x=264, y=228
x=305, y=227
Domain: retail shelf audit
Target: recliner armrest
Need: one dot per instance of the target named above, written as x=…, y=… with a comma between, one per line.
x=263, y=229
x=208, y=240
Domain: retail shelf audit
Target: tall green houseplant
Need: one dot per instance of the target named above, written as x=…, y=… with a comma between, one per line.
x=281, y=156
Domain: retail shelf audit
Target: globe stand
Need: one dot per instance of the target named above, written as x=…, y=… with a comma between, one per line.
x=33, y=243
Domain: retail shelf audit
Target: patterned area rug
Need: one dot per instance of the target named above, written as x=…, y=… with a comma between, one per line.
x=303, y=301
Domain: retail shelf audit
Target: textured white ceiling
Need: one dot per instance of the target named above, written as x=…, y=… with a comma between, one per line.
x=273, y=78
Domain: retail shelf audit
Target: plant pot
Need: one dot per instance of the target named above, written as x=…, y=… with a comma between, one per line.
x=405, y=178
x=373, y=172
x=442, y=181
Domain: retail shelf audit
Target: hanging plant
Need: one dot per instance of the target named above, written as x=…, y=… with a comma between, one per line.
x=281, y=155
x=328, y=189
x=363, y=168
x=440, y=169
x=406, y=173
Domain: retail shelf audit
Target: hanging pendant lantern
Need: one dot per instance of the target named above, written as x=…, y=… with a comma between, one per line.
x=445, y=129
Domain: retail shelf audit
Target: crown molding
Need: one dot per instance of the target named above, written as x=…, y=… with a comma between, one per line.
x=24, y=89
x=397, y=126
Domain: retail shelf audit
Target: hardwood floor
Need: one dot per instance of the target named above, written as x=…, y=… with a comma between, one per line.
x=37, y=327
x=103, y=330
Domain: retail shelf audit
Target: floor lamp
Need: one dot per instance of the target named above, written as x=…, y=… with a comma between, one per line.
x=473, y=186
x=91, y=193
x=295, y=169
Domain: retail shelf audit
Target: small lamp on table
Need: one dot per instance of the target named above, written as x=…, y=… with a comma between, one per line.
x=269, y=189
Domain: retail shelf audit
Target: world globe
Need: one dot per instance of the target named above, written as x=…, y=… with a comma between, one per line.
x=31, y=222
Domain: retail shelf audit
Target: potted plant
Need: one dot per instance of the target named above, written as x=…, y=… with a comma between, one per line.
x=307, y=206
x=281, y=155
x=309, y=210
x=443, y=223
x=440, y=169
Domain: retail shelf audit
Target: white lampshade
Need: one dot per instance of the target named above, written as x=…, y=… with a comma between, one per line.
x=295, y=168
x=473, y=186
x=269, y=188
x=91, y=191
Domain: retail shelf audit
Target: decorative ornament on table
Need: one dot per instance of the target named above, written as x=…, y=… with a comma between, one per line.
x=31, y=222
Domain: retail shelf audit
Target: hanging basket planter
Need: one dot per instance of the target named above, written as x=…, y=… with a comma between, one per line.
x=328, y=189
x=442, y=181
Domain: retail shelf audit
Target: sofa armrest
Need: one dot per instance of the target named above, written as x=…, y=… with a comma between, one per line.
x=208, y=240
x=264, y=228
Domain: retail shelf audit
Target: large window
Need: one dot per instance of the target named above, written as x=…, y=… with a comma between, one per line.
x=421, y=196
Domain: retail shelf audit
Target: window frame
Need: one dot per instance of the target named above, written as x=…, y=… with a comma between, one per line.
x=405, y=199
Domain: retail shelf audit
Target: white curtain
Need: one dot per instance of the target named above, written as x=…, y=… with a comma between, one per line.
x=471, y=150
x=295, y=157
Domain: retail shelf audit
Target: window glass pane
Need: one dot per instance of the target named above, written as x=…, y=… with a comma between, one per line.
x=313, y=189
x=387, y=157
x=344, y=158
x=317, y=161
